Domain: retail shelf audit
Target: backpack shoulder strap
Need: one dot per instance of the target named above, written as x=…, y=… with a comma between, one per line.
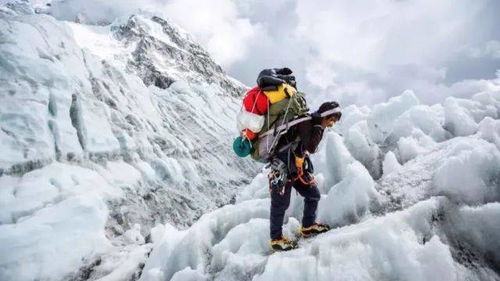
x=285, y=127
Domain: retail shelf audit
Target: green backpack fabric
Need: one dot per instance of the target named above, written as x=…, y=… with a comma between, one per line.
x=277, y=115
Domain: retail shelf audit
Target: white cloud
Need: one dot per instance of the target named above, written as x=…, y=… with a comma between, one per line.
x=96, y=11
x=367, y=51
x=354, y=51
x=380, y=48
x=319, y=74
x=489, y=49
x=217, y=24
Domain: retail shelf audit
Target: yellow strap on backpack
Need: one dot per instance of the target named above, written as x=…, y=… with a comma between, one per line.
x=284, y=91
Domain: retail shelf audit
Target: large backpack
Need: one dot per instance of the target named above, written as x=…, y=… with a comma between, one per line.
x=266, y=113
x=276, y=123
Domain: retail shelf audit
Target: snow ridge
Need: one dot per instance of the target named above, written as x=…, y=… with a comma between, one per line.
x=423, y=207
x=106, y=131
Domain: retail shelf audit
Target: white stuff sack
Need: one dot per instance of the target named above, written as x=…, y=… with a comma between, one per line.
x=251, y=121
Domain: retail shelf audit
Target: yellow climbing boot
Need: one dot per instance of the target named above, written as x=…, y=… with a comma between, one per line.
x=282, y=244
x=314, y=229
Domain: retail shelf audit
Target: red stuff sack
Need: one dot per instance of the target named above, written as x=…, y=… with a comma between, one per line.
x=256, y=101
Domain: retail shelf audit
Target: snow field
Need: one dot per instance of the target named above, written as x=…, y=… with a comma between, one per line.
x=390, y=247
x=221, y=230
x=401, y=245
x=470, y=174
x=409, y=197
x=350, y=199
x=46, y=214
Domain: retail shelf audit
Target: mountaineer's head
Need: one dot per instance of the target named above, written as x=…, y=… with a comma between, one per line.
x=330, y=113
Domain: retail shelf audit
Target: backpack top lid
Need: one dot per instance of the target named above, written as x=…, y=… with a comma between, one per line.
x=256, y=101
x=270, y=79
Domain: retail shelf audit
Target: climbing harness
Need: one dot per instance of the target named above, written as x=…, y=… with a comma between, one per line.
x=278, y=175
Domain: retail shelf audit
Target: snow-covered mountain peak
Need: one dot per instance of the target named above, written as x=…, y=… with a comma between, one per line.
x=163, y=54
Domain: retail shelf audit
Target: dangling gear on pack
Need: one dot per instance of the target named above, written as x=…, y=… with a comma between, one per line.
x=278, y=175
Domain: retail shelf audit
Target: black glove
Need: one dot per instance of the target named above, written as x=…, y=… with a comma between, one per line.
x=309, y=165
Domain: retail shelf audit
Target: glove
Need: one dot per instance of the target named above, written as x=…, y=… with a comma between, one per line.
x=299, y=163
x=309, y=166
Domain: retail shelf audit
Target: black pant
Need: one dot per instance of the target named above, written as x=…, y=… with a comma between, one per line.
x=279, y=204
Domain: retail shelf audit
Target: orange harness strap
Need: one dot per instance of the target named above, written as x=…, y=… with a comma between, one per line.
x=301, y=179
x=299, y=163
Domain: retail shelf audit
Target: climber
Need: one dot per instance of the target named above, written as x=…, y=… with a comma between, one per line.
x=292, y=167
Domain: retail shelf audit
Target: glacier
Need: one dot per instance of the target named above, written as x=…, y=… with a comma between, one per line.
x=116, y=164
x=106, y=131
x=425, y=207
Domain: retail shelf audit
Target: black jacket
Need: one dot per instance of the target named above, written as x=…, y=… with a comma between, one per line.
x=307, y=134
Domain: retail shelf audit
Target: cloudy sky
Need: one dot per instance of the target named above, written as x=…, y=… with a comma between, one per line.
x=354, y=51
